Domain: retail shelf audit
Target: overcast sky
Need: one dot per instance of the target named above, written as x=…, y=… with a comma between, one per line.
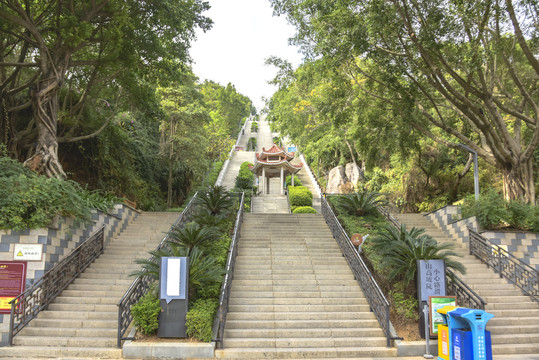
x=244, y=34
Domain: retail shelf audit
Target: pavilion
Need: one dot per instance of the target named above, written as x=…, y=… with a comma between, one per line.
x=271, y=163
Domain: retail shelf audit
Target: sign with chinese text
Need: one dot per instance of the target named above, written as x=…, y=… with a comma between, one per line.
x=28, y=252
x=12, y=283
x=431, y=279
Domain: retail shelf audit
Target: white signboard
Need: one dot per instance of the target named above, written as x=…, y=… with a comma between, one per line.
x=173, y=278
x=28, y=252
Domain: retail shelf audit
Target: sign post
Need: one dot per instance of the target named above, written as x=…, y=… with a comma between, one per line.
x=12, y=283
x=173, y=295
x=430, y=282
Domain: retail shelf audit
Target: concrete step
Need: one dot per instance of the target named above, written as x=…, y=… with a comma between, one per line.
x=304, y=333
x=306, y=353
x=58, y=352
x=80, y=342
x=303, y=342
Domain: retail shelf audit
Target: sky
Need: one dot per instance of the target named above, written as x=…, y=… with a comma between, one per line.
x=244, y=34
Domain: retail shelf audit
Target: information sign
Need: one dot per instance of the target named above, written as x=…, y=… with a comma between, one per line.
x=12, y=283
x=435, y=303
x=431, y=278
x=28, y=252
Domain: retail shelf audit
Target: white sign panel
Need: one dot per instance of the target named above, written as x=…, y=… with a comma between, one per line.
x=28, y=252
x=173, y=278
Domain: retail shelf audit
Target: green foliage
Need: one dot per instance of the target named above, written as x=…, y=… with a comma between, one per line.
x=215, y=199
x=199, y=320
x=245, y=178
x=400, y=250
x=493, y=212
x=254, y=126
x=300, y=196
x=304, y=210
x=251, y=144
x=361, y=203
x=32, y=201
x=191, y=235
x=12, y=167
x=297, y=181
x=146, y=313
x=214, y=173
x=404, y=304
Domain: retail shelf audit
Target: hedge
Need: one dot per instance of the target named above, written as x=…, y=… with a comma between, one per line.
x=300, y=196
x=304, y=210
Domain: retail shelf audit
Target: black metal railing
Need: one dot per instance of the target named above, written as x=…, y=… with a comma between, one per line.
x=508, y=266
x=468, y=298
x=27, y=305
x=142, y=284
x=220, y=320
x=377, y=301
x=455, y=286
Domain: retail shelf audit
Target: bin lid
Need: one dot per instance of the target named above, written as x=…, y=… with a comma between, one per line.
x=444, y=310
x=458, y=312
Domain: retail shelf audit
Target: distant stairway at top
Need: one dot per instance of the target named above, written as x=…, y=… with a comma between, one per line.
x=515, y=327
x=83, y=320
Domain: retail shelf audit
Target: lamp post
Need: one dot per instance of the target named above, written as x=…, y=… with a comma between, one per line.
x=475, y=169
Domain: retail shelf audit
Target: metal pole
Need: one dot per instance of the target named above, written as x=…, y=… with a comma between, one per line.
x=427, y=354
x=475, y=169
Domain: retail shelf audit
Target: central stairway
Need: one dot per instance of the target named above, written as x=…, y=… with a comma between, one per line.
x=82, y=321
x=294, y=296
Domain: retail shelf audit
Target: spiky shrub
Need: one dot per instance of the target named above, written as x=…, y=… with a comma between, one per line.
x=361, y=203
x=400, y=249
x=191, y=236
x=204, y=270
x=216, y=200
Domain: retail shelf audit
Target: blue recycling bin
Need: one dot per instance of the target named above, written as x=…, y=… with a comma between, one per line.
x=468, y=339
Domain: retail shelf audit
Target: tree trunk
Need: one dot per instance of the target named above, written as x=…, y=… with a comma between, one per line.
x=169, y=183
x=518, y=182
x=45, y=107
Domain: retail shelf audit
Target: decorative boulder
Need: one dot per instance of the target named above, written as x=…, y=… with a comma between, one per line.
x=336, y=178
x=354, y=173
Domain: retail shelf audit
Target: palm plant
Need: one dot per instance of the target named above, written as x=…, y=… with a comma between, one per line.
x=216, y=200
x=203, y=217
x=400, y=249
x=204, y=271
x=360, y=203
x=191, y=235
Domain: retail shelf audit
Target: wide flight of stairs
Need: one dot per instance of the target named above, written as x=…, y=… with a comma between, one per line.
x=515, y=327
x=294, y=296
x=82, y=321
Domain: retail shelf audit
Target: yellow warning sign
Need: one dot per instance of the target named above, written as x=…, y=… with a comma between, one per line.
x=29, y=252
x=20, y=253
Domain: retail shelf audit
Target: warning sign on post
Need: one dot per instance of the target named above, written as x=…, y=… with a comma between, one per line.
x=28, y=252
x=12, y=283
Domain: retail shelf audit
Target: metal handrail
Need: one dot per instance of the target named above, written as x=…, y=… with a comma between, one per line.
x=504, y=263
x=27, y=305
x=456, y=286
x=141, y=284
x=377, y=301
x=220, y=320
x=468, y=298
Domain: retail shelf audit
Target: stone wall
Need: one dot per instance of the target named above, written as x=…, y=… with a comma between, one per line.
x=449, y=219
x=58, y=241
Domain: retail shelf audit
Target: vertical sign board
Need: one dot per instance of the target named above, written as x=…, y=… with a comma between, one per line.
x=12, y=283
x=173, y=296
x=431, y=279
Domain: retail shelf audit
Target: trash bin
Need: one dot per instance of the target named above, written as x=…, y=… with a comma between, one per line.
x=466, y=336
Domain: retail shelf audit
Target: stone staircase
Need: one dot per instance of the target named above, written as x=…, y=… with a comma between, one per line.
x=82, y=321
x=238, y=158
x=270, y=204
x=515, y=327
x=294, y=296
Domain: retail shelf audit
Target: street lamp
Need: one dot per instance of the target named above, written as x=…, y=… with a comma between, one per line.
x=475, y=169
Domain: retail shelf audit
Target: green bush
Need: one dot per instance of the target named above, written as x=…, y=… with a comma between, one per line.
x=12, y=167
x=404, y=304
x=245, y=178
x=361, y=203
x=490, y=209
x=199, y=320
x=304, y=210
x=300, y=196
x=214, y=173
x=251, y=144
x=146, y=313
x=520, y=215
x=254, y=126
x=297, y=181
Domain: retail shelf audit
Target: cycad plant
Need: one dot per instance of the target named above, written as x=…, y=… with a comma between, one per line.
x=216, y=200
x=400, y=249
x=191, y=236
x=204, y=271
x=204, y=218
x=360, y=203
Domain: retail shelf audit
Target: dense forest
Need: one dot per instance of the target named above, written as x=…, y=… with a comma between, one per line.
x=101, y=92
x=398, y=87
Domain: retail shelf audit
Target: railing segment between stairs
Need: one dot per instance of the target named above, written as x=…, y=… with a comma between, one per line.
x=141, y=285
x=465, y=295
x=508, y=266
x=377, y=301
x=222, y=311
x=27, y=305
